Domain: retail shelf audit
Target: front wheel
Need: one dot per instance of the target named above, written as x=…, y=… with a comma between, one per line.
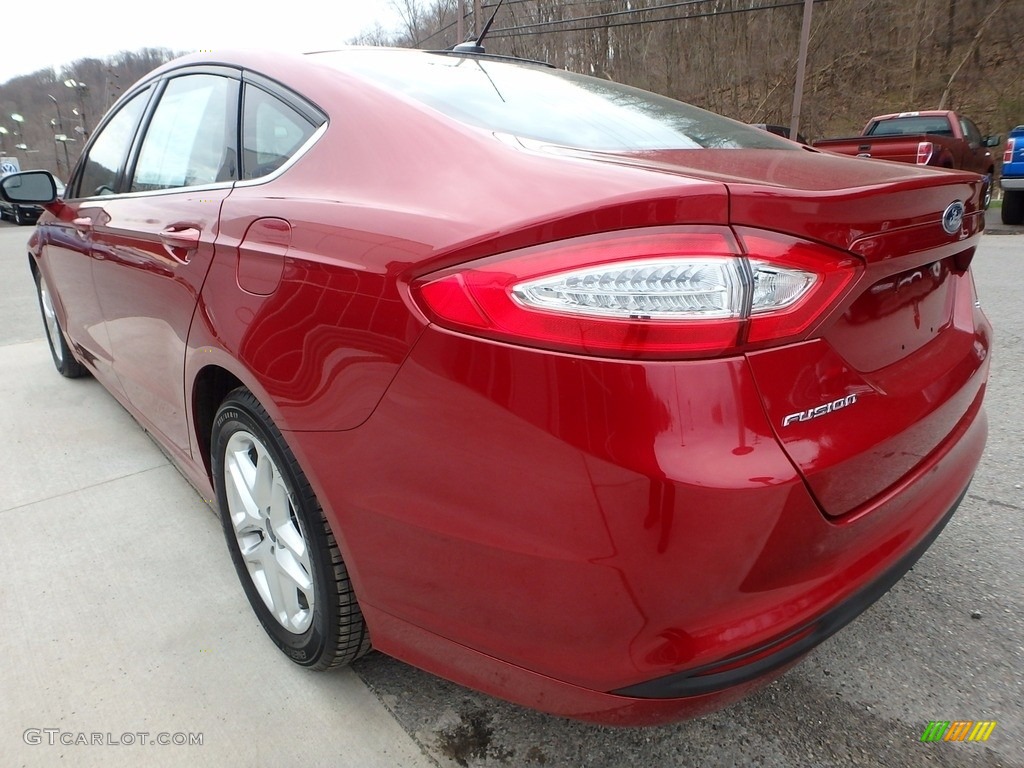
x=283, y=549
x=63, y=359
x=1013, y=206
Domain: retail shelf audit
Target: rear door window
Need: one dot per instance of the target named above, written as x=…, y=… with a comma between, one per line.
x=272, y=132
x=190, y=140
x=971, y=132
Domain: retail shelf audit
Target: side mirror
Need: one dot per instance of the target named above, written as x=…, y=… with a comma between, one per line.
x=30, y=187
x=992, y=141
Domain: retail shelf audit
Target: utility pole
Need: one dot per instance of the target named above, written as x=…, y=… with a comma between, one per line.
x=460, y=22
x=80, y=88
x=63, y=140
x=476, y=19
x=801, y=67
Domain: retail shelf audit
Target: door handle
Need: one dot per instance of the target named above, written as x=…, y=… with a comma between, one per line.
x=186, y=237
x=82, y=224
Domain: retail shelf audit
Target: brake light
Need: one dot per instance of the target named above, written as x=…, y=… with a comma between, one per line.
x=1008, y=151
x=660, y=293
x=924, y=152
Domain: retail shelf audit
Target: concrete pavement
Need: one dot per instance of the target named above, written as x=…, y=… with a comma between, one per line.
x=994, y=224
x=120, y=611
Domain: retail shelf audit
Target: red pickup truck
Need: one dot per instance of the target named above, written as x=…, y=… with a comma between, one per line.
x=940, y=138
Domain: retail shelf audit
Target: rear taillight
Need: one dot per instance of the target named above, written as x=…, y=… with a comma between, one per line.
x=924, y=152
x=1008, y=151
x=661, y=293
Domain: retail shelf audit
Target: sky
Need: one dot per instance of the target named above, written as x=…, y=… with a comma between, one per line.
x=57, y=34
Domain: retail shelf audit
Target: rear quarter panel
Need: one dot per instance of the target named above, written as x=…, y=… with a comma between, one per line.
x=380, y=199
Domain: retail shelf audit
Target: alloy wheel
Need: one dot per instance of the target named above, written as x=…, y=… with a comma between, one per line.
x=270, y=536
x=52, y=324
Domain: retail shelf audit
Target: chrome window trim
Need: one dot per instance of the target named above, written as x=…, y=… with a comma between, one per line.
x=293, y=99
x=313, y=139
x=156, y=192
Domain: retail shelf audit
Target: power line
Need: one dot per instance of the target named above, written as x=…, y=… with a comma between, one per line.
x=508, y=31
x=607, y=15
x=418, y=43
x=537, y=28
x=484, y=6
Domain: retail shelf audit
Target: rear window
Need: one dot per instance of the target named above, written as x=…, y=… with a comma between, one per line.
x=548, y=105
x=911, y=126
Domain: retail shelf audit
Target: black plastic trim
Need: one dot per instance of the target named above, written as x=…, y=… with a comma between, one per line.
x=282, y=92
x=702, y=680
x=481, y=54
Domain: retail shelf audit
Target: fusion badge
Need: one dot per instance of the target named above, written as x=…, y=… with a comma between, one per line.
x=821, y=410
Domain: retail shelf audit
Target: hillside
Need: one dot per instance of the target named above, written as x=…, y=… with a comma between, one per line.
x=66, y=103
x=736, y=57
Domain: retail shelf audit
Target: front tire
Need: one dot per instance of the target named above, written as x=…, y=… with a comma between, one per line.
x=1013, y=206
x=63, y=358
x=283, y=549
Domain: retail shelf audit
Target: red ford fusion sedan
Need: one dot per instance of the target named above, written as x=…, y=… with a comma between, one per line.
x=565, y=391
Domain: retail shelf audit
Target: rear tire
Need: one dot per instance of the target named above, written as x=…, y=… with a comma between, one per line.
x=63, y=358
x=283, y=549
x=1013, y=206
x=990, y=178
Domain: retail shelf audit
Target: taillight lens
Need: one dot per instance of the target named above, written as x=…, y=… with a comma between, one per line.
x=1008, y=151
x=666, y=288
x=662, y=293
x=924, y=152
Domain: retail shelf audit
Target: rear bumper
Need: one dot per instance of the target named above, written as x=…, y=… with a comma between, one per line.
x=663, y=700
x=761, y=662
x=588, y=537
x=1012, y=183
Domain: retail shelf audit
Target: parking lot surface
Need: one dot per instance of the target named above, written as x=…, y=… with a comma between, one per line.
x=122, y=615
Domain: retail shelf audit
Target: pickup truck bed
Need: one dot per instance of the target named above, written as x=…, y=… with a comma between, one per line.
x=938, y=138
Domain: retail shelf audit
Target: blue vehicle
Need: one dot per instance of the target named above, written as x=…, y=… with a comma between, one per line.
x=1013, y=177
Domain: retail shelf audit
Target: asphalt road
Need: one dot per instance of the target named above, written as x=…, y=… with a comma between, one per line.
x=947, y=643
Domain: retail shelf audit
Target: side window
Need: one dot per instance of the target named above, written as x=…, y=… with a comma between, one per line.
x=108, y=152
x=191, y=137
x=971, y=132
x=271, y=133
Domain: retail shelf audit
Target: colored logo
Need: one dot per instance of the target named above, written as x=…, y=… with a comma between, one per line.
x=958, y=730
x=953, y=217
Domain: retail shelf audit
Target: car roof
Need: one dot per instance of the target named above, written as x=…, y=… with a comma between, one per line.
x=915, y=113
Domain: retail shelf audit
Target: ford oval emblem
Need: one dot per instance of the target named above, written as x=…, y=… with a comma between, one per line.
x=953, y=217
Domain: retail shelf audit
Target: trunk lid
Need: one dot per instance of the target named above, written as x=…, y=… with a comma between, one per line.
x=883, y=386
x=885, y=383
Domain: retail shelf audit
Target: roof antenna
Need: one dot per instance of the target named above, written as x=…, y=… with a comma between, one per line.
x=475, y=46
